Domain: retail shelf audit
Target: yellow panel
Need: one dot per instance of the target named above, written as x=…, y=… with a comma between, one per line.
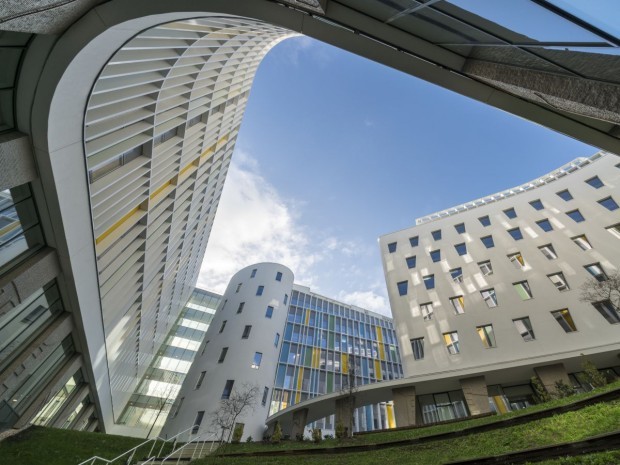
x=316, y=356
x=116, y=225
x=381, y=351
x=300, y=379
x=9, y=227
x=389, y=408
x=188, y=167
x=379, y=333
x=344, y=363
x=307, y=317
x=499, y=403
x=298, y=397
x=160, y=188
x=378, y=373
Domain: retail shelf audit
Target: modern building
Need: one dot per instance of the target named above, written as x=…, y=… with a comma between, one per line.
x=293, y=345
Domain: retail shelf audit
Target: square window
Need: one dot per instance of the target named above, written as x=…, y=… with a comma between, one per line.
x=537, y=204
x=488, y=241
x=486, y=268
x=461, y=249
x=516, y=234
x=548, y=251
x=609, y=203
x=279, y=276
x=228, y=388
x=524, y=327
x=486, y=336
x=258, y=357
x=523, y=289
x=414, y=241
x=260, y=290
x=576, y=216
x=615, y=230
x=276, y=340
x=608, y=311
x=559, y=281
x=457, y=275
x=246, y=332
x=436, y=255
x=452, y=342
x=565, y=320
x=458, y=303
x=460, y=228
x=489, y=297
x=392, y=247
x=410, y=262
x=565, y=195
x=223, y=326
x=485, y=221
x=269, y=312
x=595, y=182
x=253, y=273
x=517, y=260
x=402, y=287
x=222, y=355
x=545, y=225
x=427, y=311
x=429, y=281
x=241, y=305
x=582, y=241
x=510, y=213
x=596, y=270
x=417, y=345
x=436, y=234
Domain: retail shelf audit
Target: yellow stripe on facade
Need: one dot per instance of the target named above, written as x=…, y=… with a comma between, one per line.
x=379, y=333
x=9, y=227
x=344, y=363
x=160, y=188
x=316, y=356
x=378, y=373
x=300, y=378
x=389, y=409
x=116, y=225
x=187, y=167
x=381, y=351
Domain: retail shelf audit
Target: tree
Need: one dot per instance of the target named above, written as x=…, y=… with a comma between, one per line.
x=594, y=291
x=230, y=410
x=349, y=388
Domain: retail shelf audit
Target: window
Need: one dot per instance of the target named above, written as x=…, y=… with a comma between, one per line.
x=238, y=288
x=436, y=255
x=487, y=241
x=410, y=262
x=452, y=342
x=246, y=332
x=195, y=120
x=457, y=275
x=197, y=421
x=461, y=248
x=596, y=270
x=414, y=241
x=582, y=241
x=489, y=297
x=260, y=290
x=178, y=408
x=486, y=268
x=485, y=221
x=565, y=320
x=595, y=182
x=253, y=273
x=429, y=281
x=417, y=345
x=269, y=312
x=222, y=355
x=276, y=340
x=510, y=213
x=524, y=327
x=228, y=388
x=263, y=402
x=427, y=311
x=565, y=195
x=559, y=281
x=163, y=137
x=258, y=357
x=545, y=225
x=576, y=216
x=241, y=305
x=392, y=247
x=537, y=204
x=517, y=260
x=279, y=276
x=523, y=289
x=516, y=234
x=402, y=287
x=486, y=336
x=609, y=203
x=285, y=299
x=608, y=311
x=200, y=379
x=458, y=303
x=223, y=326
x=460, y=228
x=615, y=230
x=436, y=235
x=548, y=251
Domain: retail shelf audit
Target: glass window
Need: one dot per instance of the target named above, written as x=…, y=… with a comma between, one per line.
x=582, y=241
x=279, y=276
x=523, y=289
x=486, y=336
x=609, y=203
x=223, y=326
x=410, y=262
x=559, y=281
x=276, y=340
x=260, y=290
x=608, y=311
x=417, y=345
x=285, y=299
x=228, y=388
x=457, y=275
x=263, y=402
x=200, y=379
x=392, y=247
x=200, y=415
x=489, y=297
x=595, y=182
x=222, y=355
x=436, y=234
x=564, y=318
x=452, y=342
x=615, y=230
x=258, y=357
x=485, y=221
x=241, y=305
x=596, y=270
x=516, y=234
x=429, y=281
x=269, y=312
x=517, y=260
x=565, y=195
x=246, y=331
x=524, y=327
x=402, y=287
x=576, y=216
x=460, y=228
x=548, y=251
x=510, y=213
x=545, y=225
x=436, y=255
x=461, y=248
x=253, y=273
x=238, y=288
x=427, y=311
x=537, y=204
x=486, y=268
x=458, y=303
x=488, y=241
x=414, y=241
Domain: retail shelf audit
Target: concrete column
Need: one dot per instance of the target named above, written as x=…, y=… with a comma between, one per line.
x=344, y=413
x=17, y=164
x=550, y=374
x=299, y=422
x=476, y=395
x=405, y=411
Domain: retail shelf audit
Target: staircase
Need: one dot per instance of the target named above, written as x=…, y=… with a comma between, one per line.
x=184, y=454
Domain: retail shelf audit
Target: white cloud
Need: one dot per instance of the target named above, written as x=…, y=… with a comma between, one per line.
x=369, y=300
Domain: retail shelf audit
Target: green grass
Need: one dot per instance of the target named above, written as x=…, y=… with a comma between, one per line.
x=602, y=458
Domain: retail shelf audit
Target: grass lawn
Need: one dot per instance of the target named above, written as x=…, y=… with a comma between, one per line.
x=602, y=458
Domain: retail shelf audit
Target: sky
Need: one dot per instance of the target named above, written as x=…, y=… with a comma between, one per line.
x=336, y=150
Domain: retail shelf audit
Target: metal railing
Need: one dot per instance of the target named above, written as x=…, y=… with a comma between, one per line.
x=179, y=452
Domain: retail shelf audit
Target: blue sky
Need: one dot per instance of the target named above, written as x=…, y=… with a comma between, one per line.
x=336, y=150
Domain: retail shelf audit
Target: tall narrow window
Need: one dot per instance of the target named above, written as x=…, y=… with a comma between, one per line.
x=392, y=247
x=524, y=327
x=238, y=288
x=582, y=242
x=576, y=216
x=609, y=203
x=263, y=402
x=516, y=234
x=200, y=379
x=417, y=345
x=559, y=281
x=608, y=311
x=258, y=357
x=279, y=276
x=595, y=182
x=517, y=260
x=489, y=297
x=460, y=228
x=197, y=421
x=276, y=340
x=486, y=268
x=427, y=311
x=461, y=249
x=402, y=287
x=486, y=335
x=596, y=270
x=452, y=342
x=285, y=299
x=222, y=355
x=410, y=262
x=545, y=225
x=260, y=290
x=253, y=273
x=436, y=234
x=488, y=241
x=269, y=312
x=436, y=255
x=223, y=326
x=537, y=204
x=565, y=195
x=510, y=213
x=485, y=221
x=457, y=275
x=429, y=281
x=564, y=318
x=228, y=388
x=246, y=331
x=523, y=289
x=241, y=305
x=548, y=251
x=458, y=303
x=414, y=241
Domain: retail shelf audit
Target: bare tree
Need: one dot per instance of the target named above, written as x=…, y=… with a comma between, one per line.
x=230, y=410
x=349, y=389
x=595, y=290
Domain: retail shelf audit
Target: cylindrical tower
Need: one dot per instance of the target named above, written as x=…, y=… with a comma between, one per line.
x=240, y=352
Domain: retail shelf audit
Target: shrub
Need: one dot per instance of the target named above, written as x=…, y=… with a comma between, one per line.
x=563, y=390
x=276, y=437
x=540, y=393
x=592, y=376
x=317, y=435
x=341, y=431
x=237, y=433
x=249, y=439
x=300, y=437
x=328, y=436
